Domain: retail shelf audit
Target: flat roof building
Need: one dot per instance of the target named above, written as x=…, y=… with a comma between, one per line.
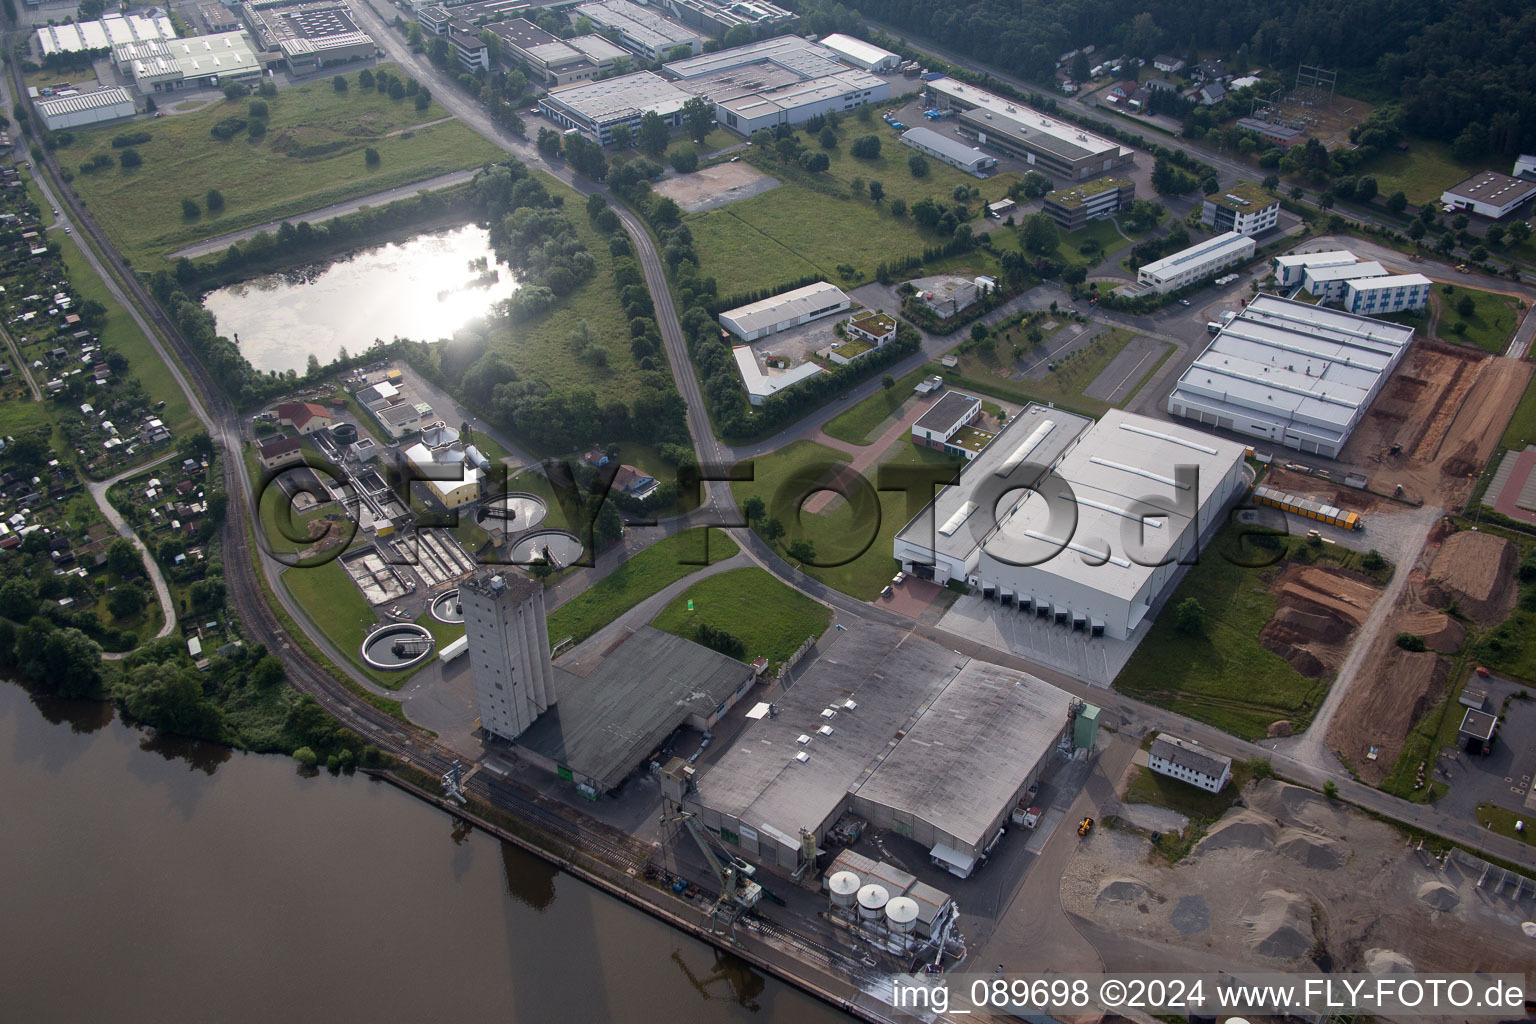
x=193, y=62
x=1326, y=284
x=953, y=413
x=1290, y=269
x=1122, y=480
x=309, y=35
x=1074, y=206
x=104, y=33
x=1295, y=374
x=596, y=108
x=217, y=18
x=787, y=309
x=952, y=151
x=554, y=60
x=973, y=737
x=86, y=108
x=1395, y=293
x=862, y=55
x=645, y=31
x=1489, y=194
x=761, y=385
x=1059, y=148
x=720, y=16
x=1195, y=264
x=1247, y=208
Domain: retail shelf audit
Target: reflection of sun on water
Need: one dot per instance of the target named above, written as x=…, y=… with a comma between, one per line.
x=424, y=289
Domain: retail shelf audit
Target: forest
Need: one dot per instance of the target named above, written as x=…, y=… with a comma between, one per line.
x=1462, y=70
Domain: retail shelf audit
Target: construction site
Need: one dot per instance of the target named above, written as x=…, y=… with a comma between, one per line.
x=1290, y=880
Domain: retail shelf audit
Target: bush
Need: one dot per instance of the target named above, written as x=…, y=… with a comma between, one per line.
x=258, y=110
x=1372, y=561
x=228, y=128
x=306, y=757
x=189, y=209
x=371, y=157
x=339, y=83
x=130, y=158
x=130, y=139
x=866, y=147
x=1410, y=642
x=214, y=200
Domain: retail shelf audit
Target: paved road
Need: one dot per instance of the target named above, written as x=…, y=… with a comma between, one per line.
x=222, y=242
x=98, y=491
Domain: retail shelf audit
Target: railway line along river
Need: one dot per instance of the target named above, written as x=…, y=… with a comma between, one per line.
x=159, y=880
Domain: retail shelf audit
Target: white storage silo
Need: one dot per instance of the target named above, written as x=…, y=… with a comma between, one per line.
x=872, y=901
x=843, y=887
x=901, y=915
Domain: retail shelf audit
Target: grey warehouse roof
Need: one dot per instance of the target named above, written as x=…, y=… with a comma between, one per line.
x=943, y=414
x=606, y=722
x=971, y=751
x=84, y=101
x=775, y=309
x=1291, y=360
x=615, y=99
x=805, y=58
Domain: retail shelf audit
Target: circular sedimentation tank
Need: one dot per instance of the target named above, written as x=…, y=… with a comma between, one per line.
x=397, y=646
x=344, y=433
x=511, y=512
x=844, y=886
x=558, y=547
x=872, y=901
x=446, y=607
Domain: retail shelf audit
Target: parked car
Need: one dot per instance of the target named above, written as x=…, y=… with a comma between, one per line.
x=1183, y=302
x=898, y=578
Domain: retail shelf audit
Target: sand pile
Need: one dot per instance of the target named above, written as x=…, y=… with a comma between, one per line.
x=1386, y=961
x=1242, y=830
x=1438, y=896
x=1316, y=613
x=1477, y=571
x=1123, y=890
x=1439, y=631
x=1312, y=851
x=1281, y=925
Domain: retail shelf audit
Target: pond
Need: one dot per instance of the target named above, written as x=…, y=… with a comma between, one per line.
x=424, y=288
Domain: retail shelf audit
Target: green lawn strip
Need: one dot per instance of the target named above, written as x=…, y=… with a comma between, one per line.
x=1491, y=324
x=310, y=156
x=335, y=605
x=313, y=652
x=770, y=618
x=1421, y=173
x=1222, y=675
x=1502, y=820
x=856, y=554
x=982, y=373
x=1522, y=425
x=859, y=424
x=646, y=573
x=443, y=633
x=124, y=336
x=892, y=170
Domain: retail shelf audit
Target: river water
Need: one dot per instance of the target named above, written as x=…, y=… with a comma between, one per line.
x=169, y=881
x=424, y=288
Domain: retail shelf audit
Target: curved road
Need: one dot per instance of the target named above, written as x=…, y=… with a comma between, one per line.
x=98, y=491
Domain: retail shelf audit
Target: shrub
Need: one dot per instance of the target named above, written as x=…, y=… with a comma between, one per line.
x=1410, y=642
x=228, y=128
x=130, y=158
x=130, y=139
x=258, y=110
x=371, y=157
x=214, y=200
x=339, y=83
x=189, y=209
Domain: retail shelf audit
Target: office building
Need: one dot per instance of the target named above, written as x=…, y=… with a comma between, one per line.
x=1290, y=269
x=1198, y=262
x=1047, y=143
x=1245, y=208
x=596, y=108
x=1189, y=762
x=1326, y=284
x=1074, y=206
x=1393, y=294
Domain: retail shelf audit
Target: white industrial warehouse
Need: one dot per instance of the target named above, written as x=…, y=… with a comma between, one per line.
x=951, y=151
x=1127, y=500
x=859, y=53
x=1195, y=264
x=1295, y=374
x=1489, y=194
x=971, y=739
x=86, y=108
x=785, y=310
x=103, y=34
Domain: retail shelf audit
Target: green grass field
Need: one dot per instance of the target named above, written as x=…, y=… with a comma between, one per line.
x=792, y=231
x=1500, y=820
x=853, y=547
x=1491, y=324
x=859, y=424
x=1422, y=173
x=985, y=371
x=1222, y=675
x=891, y=168
x=1522, y=426
x=334, y=604
x=311, y=156
x=648, y=572
x=771, y=619
x=122, y=334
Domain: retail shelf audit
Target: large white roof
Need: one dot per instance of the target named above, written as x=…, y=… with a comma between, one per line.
x=856, y=49
x=1061, y=137
x=1345, y=271
x=776, y=309
x=103, y=34
x=1210, y=250
x=1394, y=281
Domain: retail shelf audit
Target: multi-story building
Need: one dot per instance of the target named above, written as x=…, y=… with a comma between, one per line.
x=1195, y=264
x=596, y=108
x=508, y=651
x=309, y=35
x=554, y=60
x=1291, y=269
x=1044, y=141
x=1189, y=762
x=1246, y=208
x=950, y=426
x=1073, y=207
x=1376, y=295
x=1326, y=284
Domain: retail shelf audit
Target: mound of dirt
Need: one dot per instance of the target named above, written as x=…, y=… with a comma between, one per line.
x=1386, y=961
x=1317, y=611
x=1477, y=571
x=1438, y=896
x=1123, y=890
x=1312, y=851
x=1281, y=925
x=1439, y=631
x=1240, y=830
x=1280, y=728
